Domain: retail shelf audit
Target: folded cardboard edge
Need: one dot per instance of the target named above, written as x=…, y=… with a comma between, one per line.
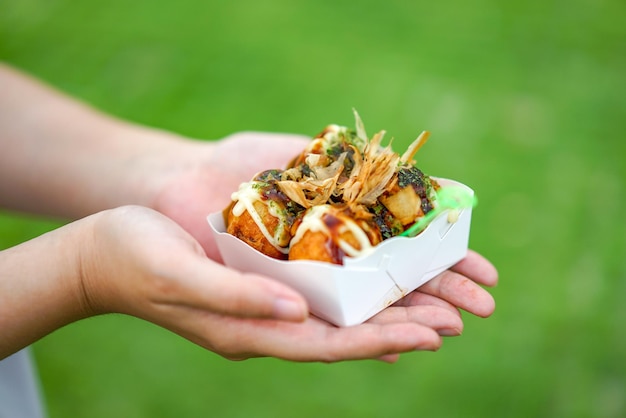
x=332, y=293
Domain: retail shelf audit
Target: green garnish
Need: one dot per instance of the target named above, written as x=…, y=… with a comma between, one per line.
x=447, y=198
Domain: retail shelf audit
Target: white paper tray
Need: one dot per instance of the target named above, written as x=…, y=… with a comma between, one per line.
x=354, y=292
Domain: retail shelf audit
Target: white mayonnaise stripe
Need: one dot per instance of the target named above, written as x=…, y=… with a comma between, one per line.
x=360, y=236
x=245, y=198
x=312, y=221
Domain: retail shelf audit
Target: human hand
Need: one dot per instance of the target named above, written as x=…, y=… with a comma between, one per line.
x=460, y=287
x=205, y=174
x=414, y=323
x=140, y=263
x=135, y=261
x=218, y=168
x=156, y=270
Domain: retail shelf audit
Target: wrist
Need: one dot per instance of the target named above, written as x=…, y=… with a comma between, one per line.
x=149, y=161
x=45, y=272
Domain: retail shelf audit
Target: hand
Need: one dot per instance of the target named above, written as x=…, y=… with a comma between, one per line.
x=411, y=324
x=207, y=173
x=459, y=287
x=140, y=263
x=454, y=289
x=205, y=186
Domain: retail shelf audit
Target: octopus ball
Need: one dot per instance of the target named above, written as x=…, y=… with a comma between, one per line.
x=246, y=229
x=327, y=233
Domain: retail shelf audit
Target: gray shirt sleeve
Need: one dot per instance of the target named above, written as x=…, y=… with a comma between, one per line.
x=20, y=395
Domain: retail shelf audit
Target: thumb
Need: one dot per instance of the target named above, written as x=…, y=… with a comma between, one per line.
x=210, y=286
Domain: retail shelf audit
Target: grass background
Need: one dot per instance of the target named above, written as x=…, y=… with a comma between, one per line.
x=525, y=102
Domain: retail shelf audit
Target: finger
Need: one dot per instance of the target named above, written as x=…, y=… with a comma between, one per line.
x=206, y=285
x=365, y=341
x=308, y=341
x=477, y=268
x=389, y=358
x=439, y=319
x=419, y=298
x=462, y=292
x=249, y=145
x=316, y=340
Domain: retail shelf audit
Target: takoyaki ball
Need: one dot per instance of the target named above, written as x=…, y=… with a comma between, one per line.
x=262, y=216
x=329, y=145
x=313, y=246
x=410, y=196
x=328, y=233
x=243, y=226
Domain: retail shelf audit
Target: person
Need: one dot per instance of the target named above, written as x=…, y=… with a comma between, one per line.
x=137, y=242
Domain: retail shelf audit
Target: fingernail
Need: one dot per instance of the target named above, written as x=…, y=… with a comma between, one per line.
x=289, y=310
x=389, y=358
x=449, y=332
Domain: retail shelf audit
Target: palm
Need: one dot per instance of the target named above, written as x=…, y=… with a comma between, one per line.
x=206, y=181
x=204, y=186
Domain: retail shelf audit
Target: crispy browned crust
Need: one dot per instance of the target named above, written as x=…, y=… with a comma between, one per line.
x=313, y=246
x=358, y=177
x=318, y=246
x=244, y=228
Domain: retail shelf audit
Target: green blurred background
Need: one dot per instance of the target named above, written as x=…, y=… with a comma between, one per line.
x=525, y=102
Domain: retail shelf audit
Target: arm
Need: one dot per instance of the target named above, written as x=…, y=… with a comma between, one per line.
x=69, y=160
x=135, y=261
x=37, y=297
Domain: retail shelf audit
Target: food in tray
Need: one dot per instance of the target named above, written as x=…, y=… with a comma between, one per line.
x=343, y=195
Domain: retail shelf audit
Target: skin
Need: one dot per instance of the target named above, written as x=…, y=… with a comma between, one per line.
x=137, y=242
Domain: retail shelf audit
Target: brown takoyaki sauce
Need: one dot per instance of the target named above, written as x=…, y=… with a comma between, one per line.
x=269, y=175
x=336, y=231
x=268, y=190
x=332, y=247
x=341, y=196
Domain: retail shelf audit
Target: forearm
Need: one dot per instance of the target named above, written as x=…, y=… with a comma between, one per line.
x=40, y=287
x=60, y=157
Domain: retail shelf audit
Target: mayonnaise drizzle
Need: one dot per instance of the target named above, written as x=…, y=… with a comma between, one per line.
x=313, y=221
x=245, y=198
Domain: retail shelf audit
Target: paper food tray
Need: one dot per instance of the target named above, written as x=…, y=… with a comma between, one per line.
x=351, y=293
